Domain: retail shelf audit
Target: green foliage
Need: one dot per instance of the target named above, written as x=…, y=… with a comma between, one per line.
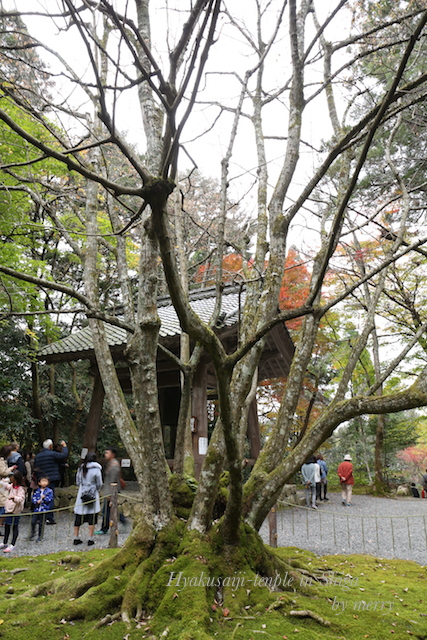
x=358, y=438
x=15, y=384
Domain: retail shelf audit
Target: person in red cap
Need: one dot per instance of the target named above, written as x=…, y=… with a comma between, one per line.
x=345, y=473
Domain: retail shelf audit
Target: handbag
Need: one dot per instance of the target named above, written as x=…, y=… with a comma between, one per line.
x=10, y=506
x=88, y=495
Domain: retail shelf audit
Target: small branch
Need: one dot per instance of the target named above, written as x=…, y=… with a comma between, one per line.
x=41, y=282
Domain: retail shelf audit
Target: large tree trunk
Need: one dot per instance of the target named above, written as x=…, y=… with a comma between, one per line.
x=379, y=454
x=93, y=423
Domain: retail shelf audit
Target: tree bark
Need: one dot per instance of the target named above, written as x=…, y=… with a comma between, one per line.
x=94, y=417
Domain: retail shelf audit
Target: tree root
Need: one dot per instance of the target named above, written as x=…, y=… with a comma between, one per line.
x=182, y=582
x=13, y=572
x=106, y=620
x=306, y=613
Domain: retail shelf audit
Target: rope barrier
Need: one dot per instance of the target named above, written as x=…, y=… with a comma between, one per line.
x=346, y=513
x=58, y=510
x=69, y=507
x=39, y=526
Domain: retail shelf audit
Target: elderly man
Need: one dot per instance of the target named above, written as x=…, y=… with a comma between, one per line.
x=345, y=473
x=47, y=464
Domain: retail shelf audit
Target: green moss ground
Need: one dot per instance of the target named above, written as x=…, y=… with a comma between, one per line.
x=360, y=596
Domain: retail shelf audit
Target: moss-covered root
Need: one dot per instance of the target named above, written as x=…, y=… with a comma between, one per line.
x=98, y=591
x=140, y=585
x=183, y=581
x=106, y=584
x=208, y=581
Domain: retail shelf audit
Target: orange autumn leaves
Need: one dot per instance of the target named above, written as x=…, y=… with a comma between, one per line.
x=295, y=281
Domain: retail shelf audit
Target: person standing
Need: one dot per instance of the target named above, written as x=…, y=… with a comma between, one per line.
x=112, y=476
x=87, y=507
x=13, y=508
x=308, y=471
x=317, y=476
x=47, y=464
x=345, y=473
x=15, y=459
x=4, y=473
x=414, y=490
x=29, y=470
x=41, y=500
x=323, y=477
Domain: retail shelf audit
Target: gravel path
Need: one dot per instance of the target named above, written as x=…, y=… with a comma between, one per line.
x=59, y=537
x=384, y=527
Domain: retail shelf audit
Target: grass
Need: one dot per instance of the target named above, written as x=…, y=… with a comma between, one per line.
x=357, y=597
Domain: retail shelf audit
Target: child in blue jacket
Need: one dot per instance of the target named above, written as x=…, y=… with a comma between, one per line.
x=41, y=500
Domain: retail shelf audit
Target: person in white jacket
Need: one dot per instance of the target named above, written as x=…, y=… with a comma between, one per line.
x=13, y=508
x=87, y=506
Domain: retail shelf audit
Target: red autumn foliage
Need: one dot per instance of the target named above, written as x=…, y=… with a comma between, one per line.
x=415, y=459
x=295, y=285
x=295, y=281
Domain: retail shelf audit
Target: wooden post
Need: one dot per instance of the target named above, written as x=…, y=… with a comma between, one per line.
x=272, y=524
x=199, y=412
x=114, y=533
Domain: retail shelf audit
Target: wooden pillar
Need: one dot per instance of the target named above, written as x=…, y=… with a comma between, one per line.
x=113, y=524
x=199, y=417
x=94, y=418
x=272, y=526
x=253, y=430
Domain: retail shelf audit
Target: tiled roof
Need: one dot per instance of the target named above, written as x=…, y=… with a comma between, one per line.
x=202, y=302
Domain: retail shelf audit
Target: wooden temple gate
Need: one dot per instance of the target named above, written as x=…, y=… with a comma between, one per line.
x=275, y=362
